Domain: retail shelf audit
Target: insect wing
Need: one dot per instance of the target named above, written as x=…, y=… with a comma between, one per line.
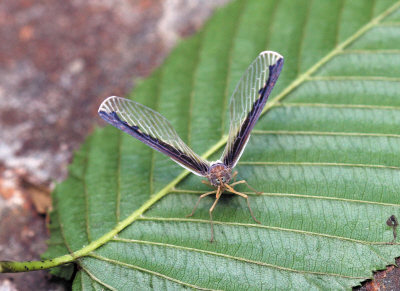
x=248, y=101
x=152, y=129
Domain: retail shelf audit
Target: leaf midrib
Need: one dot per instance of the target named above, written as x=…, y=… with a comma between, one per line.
x=164, y=191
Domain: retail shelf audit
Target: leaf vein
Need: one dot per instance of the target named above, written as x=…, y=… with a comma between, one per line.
x=336, y=106
x=296, y=196
x=370, y=51
x=283, y=132
x=318, y=234
x=319, y=164
x=231, y=257
x=351, y=78
x=94, y=278
x=96, y=256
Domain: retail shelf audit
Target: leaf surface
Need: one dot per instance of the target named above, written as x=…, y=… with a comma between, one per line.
x=326, y=154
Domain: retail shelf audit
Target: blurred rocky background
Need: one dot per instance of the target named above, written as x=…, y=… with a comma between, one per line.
x=58, y=61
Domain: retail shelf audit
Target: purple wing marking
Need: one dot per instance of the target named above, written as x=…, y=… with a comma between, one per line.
x=152, y=129
x=241, y=128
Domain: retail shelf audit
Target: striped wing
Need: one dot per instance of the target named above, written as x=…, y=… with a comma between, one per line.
x=248, y=101
x=153, y=129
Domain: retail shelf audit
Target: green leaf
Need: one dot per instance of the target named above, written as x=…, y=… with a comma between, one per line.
x=326, y=154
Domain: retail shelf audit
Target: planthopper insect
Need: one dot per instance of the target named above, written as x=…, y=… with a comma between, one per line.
x=246, y=105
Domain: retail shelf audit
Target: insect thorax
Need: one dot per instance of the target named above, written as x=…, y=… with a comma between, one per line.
x=217, y=172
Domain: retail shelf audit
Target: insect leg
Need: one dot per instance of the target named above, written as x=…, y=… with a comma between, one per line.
x=219, y=192
x=230, y=189
x=234, y=176
x=243, y=181
x=201, y=196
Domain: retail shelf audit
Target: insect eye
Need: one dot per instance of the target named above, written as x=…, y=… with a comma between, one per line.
x=216, y=181
x=223, y=179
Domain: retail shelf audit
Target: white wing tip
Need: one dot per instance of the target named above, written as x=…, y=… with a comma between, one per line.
x=273, y=54
x=105, y=105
